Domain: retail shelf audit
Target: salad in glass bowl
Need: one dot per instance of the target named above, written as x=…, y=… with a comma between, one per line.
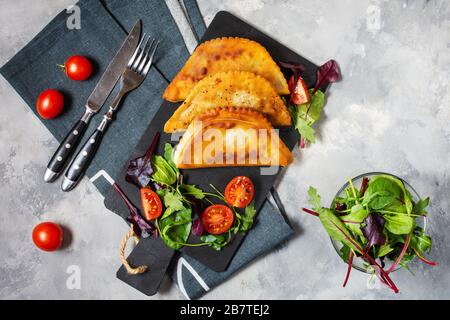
x=377, y=224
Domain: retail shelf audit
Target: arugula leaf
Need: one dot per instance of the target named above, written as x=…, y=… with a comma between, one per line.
x=314, y=198
x=173, y=202
x=214, y=241
x=248, y=217
x=164, y=172
x=192, y=190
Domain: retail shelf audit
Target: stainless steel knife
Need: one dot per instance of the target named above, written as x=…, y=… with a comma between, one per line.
x=94, y=103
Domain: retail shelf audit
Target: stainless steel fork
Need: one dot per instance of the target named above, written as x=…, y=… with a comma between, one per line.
x=134, y=74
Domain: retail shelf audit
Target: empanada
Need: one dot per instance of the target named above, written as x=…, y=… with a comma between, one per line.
x=232, y=88
x=231, y=136
x=225, y=54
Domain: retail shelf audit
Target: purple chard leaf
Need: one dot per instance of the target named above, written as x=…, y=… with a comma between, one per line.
x=142, y=228
x=327, y=73
x=373, y=230
x=197, y=227
x=296, y=68
x=140, y=170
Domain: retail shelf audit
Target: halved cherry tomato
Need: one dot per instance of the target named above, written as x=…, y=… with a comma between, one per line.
x=78, y=68
x=217, y=219
x=151, y=204
x=239, y=192
x=50, y=103
x=48, y=236
x=299, y=91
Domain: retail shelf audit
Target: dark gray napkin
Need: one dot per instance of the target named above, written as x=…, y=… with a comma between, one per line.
x=103, y=28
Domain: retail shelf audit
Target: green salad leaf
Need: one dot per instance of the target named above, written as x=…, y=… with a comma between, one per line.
x=314, y=198
x=247, y=218
x=399, y=223
x=164, y=173
x=379, y=219
x=192, y=190
x=305, y=115
x=176, y=222
x=173, y=203
x=420, y=206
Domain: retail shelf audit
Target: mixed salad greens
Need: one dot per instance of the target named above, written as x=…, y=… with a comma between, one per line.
x=306, y=105
x=171, y=205
x=377, y=222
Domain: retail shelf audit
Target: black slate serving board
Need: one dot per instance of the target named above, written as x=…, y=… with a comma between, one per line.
x=224, y=24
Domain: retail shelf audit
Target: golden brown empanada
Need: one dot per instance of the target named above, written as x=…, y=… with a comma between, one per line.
x=232, y=88
x=231, y=136
x=225, y=54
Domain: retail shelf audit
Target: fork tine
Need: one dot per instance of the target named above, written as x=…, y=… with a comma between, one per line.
x=130, y=63
x=142, y=64
x=138, y=60
x=149, y=63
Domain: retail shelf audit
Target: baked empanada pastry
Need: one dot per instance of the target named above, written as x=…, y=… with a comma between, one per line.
x=225, y=54
x=231, y=136
x=232, y=88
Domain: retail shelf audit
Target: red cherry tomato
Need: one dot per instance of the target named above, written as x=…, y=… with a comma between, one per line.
x=151, y=204
x=78, y=68
x=299, y=91
x=48, y=236
x=217, y=219
x=239, y=192
x=50, y=103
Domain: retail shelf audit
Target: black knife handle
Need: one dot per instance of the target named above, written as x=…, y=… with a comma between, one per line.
x=82, y=160
x=65, y=150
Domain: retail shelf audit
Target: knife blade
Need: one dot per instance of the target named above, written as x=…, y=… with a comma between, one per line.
x=94, y=103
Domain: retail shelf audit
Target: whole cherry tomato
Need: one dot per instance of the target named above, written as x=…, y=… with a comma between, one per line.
x=48, y=236
x=50, y=103
x=78, y=68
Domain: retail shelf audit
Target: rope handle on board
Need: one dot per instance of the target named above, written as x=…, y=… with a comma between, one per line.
x=123, y=244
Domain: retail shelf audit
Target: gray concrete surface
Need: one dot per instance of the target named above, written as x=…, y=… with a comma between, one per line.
x=391, y=112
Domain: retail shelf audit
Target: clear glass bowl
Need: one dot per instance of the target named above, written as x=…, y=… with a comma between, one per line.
x=358, y=262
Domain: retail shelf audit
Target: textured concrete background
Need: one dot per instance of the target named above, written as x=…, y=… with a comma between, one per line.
x=391, y=113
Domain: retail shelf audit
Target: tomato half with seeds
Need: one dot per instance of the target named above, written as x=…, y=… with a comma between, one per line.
x=217, y=219
x=299, y=91
x=239, y=192
x=151, y=204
